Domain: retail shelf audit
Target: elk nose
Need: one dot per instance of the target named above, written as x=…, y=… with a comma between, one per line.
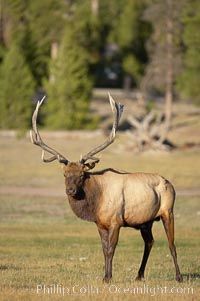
x=71, y=191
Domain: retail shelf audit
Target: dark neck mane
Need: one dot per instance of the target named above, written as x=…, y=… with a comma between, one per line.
x=85, y=203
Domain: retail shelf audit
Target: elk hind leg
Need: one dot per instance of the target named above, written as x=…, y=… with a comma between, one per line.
x=147, y=236
x=168, y=222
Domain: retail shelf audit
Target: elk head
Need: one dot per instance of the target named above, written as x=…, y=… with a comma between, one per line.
x=74, y=178
x=74, y=172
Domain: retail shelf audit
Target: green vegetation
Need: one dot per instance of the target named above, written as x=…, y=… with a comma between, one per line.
x=164, y=44
x=69, y=88
x=132, y=34
x=125, y=43
x=190, y=78
x=16, y=90
x=45, y=25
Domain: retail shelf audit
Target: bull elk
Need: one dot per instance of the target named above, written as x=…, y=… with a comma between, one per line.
x=113, y=199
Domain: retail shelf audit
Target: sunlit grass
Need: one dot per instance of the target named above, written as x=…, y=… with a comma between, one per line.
x=21, y=161
x=40, y=248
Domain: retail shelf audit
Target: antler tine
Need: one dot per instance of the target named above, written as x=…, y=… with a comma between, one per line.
x=37, y=140
x=117, y=112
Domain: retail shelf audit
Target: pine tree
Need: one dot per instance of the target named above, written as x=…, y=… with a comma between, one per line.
x=164, y=49
x=69, y=88
x=131, y=32
x=45, y=25
x=189, y=80
x=16, y=90
x=165, y=19
x=12, y=20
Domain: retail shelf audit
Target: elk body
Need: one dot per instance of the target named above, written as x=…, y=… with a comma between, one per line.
x=113, y=199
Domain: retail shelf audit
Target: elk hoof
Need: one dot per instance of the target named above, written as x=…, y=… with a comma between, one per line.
x=139, y=278
x=106, y=280
x=179, y=278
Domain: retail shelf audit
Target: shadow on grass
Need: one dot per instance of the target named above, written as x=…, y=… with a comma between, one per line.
x=191, y=276
x=9, y=267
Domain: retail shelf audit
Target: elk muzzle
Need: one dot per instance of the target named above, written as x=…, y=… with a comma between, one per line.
x=72, y=190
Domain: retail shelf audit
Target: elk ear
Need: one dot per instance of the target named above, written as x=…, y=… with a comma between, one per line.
x=89, y=166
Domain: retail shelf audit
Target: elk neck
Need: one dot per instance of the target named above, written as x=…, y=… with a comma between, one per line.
x=85, y=203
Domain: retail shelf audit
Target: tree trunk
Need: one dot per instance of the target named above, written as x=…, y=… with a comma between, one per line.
x=95, y=7
x=54, y=55
x=169, y=73
x=127, y=85
x=2, y=25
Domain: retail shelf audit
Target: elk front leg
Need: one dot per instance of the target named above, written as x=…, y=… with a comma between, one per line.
x=109, y=239
x=148, y=243
x=168, y=222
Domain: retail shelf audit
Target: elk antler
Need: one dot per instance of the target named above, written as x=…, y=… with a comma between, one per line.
x=117, y=112
x=37, y=140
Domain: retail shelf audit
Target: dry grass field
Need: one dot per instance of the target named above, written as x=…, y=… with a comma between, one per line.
x=47, y=253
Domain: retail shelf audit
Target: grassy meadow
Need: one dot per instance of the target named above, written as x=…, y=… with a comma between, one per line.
x=47, y=253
